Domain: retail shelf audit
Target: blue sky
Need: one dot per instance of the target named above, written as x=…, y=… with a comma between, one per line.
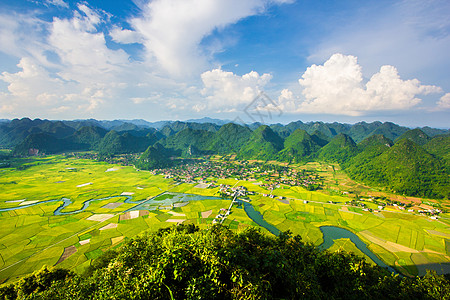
x=255, y=60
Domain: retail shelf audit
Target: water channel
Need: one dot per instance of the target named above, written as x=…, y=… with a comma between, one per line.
x=331, y=233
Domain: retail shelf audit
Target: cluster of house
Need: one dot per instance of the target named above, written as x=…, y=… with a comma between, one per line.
x=433, y=213
x=224, y=213
x=237, y=191
x=276, y=175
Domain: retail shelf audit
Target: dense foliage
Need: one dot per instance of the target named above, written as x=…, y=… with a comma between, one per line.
x=230, y=138
x=404, y=168
x=189, y=142
x=186, y=263
x=263, y=144
x=415, y=135
x=340, y=149
x=155, y=157
x=299, y=146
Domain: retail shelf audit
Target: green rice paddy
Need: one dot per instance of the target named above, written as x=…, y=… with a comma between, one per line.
x=33, y=236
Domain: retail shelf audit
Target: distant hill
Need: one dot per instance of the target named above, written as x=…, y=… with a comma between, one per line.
x=440, y=147
x=417, y=165
x=368, y=149
x=299, y=146
x=174, y=127
x=15, y=132
x=361, y=130
x=189, y=142
x=405, y=168
x=208, y=120
x=230, y=138
x=155, y=157
x=390, y=130
x=89, y=135
x=115, y=143
x=340, y=149
x=44, y=143
x=263, y=144
x=416, y=135
x=431, y=132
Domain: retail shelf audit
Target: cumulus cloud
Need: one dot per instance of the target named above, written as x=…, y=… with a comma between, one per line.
x=227, y=90
x=22, y=35
x=173, y=30
x=444, y=102
x=125, y=36
x=84, y=73
x=337, y=87
x=81, y=49
x=66, y=67
x=33, y=89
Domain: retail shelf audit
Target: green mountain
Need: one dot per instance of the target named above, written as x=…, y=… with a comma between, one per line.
x=125, y=127
x=114, y=143
x=337, y=128
x=390, y=130
x=319, y=138
x=89, y=135
x=57, y=129
x=230, y=138
x=369, y=149
x=299, y=146
x=361, y=130
x=189, y=141
x=15, y=132
x=431, y=132
x=374, y=141
x=178, y=126
x=416, y=135
x=408, y=169
x=322, y=128
x=281, y=130
x=340, y=149
x=263, y=144
x=44, y=143
x=440, y=147
x=155, y=157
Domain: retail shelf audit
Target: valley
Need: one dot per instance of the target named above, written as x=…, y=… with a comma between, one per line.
x=407, y=233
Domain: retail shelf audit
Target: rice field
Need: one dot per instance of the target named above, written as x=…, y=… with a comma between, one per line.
x=31, y=237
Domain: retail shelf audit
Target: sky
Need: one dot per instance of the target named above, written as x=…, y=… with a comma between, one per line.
x=268, y=61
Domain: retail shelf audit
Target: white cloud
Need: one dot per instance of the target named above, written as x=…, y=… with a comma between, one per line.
x=337, y=87
x=83, y=52
x=59, y=3
x=225, y=89
x=172, y=30
x=444, y=102
x=22, y=35
x=125, y=36
x=67, y=69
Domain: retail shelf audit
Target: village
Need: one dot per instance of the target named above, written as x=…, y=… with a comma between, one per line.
x=268, y=176
x=272, y=175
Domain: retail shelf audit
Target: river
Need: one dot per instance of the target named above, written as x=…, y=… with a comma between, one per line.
x=330, y=233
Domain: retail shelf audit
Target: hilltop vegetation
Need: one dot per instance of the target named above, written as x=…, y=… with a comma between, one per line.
x=185, y=263
x=419, y=167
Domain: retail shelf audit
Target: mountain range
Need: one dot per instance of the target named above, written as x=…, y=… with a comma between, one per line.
x=413, y=162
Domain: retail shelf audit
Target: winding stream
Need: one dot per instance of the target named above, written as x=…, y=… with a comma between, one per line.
x=331, y=233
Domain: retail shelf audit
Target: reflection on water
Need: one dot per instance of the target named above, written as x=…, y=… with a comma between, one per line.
x=331, y=233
